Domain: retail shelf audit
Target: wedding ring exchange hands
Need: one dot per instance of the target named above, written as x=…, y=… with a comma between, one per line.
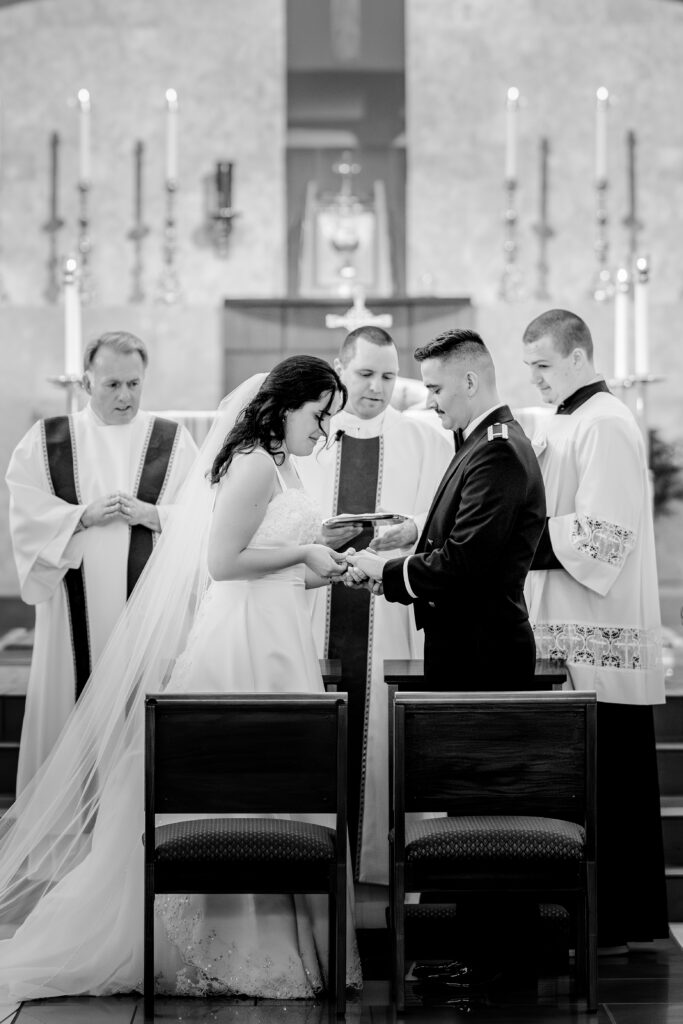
x=364, y=568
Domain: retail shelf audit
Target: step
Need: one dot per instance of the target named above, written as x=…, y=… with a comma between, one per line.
x=670, y=766
x=674, y=893
x=672, y=829
x=669, y=717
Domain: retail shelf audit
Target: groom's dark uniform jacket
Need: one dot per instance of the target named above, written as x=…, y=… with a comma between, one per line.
x=471, y=561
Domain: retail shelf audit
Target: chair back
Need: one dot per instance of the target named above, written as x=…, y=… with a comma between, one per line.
x=493, y=753
x=235, y=754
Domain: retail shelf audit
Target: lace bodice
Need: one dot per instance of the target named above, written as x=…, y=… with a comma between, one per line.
x=292, y=517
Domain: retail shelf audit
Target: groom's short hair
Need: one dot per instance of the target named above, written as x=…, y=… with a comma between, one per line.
x=458, y=342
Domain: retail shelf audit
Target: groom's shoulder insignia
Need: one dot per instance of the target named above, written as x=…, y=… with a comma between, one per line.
x=497, y=430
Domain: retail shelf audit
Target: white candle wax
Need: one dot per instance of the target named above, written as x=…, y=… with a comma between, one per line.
x=84, y=137
x=73, y=349
x=171, y=135
x=602, y=102
x=640, y=316
x=621, y=325
x=511, y=133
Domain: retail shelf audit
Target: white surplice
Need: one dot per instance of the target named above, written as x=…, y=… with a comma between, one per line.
x=107, y=458
x=413, y=459
x=601, y=614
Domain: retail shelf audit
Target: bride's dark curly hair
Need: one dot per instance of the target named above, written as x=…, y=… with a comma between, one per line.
x=289, y=385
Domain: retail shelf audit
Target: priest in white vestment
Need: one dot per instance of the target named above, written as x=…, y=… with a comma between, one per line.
x=384, y=461
x=594, y=603
x=88, y=495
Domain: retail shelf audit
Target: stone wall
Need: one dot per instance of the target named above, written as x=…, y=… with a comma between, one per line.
x=226, y=61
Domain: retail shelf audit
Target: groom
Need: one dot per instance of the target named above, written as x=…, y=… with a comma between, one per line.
x=466, y=577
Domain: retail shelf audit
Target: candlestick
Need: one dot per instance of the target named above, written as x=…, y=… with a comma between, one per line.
x=621, y=303
x=631, y=221
x=169, y=285
x=138, y=231
x=640, y=317
x=84, y=137
x=73, y=354
x=511, y=280
x=85, y=278
x=171, y=135
x=602, y=287
x=138, y=152
x=54, y=223
x=543, y=229
x=601, y=106
x=512, y=107
x=224, y=184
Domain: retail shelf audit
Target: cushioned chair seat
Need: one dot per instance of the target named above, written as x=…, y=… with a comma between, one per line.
x=257, y=840
x=483, y=839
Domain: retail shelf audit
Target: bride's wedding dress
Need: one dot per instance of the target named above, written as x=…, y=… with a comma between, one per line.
x=84, y=934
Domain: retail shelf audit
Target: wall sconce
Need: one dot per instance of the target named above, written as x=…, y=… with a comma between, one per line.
x=221, y=213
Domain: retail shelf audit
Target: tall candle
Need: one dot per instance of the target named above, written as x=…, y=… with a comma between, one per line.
x=640, y=316
x=84, y=137
x=54, y=176
x=601, y=105
x=73, y=349
x=138, y=151
x=511, y=133
x=621, y=325
x=171, y=135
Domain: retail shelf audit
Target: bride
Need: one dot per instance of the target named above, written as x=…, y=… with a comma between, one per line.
x=221, y=606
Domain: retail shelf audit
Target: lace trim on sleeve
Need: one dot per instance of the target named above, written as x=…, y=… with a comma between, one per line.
x=603, y=541
x=624, y=647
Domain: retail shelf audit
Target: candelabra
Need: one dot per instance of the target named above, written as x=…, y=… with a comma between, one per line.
x=169, y=283
x=511, y=280
x=603, y=286
x=86, y=284
x=137, y=234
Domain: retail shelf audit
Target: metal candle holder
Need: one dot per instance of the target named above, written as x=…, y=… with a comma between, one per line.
x=602, y=288
x=221, y=227
x=511, y=280
x=168, y=290
x=137, y=234
x=86, y=284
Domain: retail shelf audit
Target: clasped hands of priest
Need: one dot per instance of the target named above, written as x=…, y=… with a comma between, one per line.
x=120, y=506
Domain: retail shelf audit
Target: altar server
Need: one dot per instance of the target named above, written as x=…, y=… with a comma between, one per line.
x=594, y=603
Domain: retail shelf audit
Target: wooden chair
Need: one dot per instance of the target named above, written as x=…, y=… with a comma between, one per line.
x=256, y=754
x=516, y=774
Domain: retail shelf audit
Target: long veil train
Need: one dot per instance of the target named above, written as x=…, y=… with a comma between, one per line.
x=49, y=945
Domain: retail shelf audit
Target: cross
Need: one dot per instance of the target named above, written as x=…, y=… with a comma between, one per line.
x=358, y=315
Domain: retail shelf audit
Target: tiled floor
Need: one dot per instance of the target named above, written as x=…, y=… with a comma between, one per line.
x=645, y=987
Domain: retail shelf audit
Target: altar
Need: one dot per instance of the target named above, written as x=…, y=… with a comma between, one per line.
x=256, y=333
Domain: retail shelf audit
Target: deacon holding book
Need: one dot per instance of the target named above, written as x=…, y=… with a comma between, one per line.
x=88, y=495
x=383, y=462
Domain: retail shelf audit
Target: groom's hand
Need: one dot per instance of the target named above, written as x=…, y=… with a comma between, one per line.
x=367, y=563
